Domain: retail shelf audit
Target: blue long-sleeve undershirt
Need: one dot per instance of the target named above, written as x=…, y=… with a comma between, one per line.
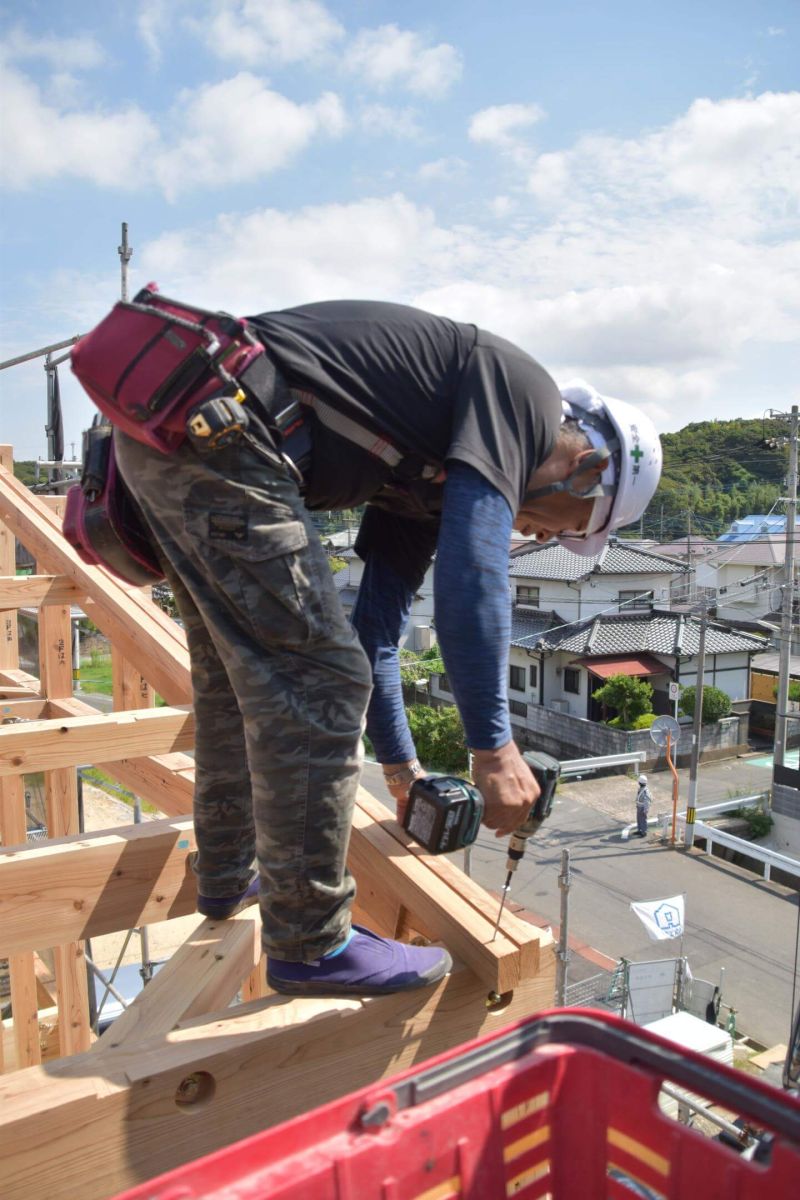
x=472, y=615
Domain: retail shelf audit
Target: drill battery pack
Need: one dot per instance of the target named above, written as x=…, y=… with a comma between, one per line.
x=444, y=813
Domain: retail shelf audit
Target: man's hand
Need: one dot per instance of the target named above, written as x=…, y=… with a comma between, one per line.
x=399, y=778
x=507, y=785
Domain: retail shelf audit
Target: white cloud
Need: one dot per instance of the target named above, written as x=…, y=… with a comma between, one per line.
x=380, y=119
x=152, y=23
x=393, y=57
x=38, y=141
x=238, y=130
x=383, y=248
x=442, y=169
x=258, y=33
x=221, y=133
x=502, y=124
x=62, y=53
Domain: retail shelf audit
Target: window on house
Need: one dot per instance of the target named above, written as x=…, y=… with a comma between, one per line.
x=572, y=680
x=516, y=678
x=629, y=601
x=533, y=675
x=527, y=597
x=518, y=708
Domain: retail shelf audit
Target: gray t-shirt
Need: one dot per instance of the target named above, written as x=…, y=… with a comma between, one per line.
x=437, y=388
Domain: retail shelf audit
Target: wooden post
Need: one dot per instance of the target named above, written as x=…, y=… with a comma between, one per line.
x=20, y=966
x=61, y=797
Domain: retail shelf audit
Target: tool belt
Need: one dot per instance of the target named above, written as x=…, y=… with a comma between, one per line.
x=102, y=520
x=152, y=364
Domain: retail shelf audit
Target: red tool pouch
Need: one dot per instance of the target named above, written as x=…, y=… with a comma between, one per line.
x=152, y=360
x=103, y=522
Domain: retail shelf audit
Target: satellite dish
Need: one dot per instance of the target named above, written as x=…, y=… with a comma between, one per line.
x=663, y=728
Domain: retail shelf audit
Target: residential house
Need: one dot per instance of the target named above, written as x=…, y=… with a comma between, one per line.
x=745, y=578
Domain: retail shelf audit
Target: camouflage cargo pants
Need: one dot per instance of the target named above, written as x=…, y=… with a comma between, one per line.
x=280, y=685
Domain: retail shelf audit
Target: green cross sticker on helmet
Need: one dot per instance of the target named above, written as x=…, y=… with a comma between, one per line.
x=634, y=468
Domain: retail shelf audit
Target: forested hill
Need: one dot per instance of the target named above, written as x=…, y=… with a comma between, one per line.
x=717, y=471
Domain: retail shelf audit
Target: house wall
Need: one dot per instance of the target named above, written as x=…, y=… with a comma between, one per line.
x=421, y=615
x=587, y=598
x=729, y=672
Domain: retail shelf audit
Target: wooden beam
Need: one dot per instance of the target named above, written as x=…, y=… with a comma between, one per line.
x=104, y=737
x=376, y=854
x=25, y=710
x=129, y=1112
x=526, y=937
x=83, y=886
x=166, y=780
x=145, y=635
x=36, y=591
x=203, y=976
x=130, y=688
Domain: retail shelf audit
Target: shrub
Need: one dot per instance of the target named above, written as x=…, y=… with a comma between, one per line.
x=631, y=697
x=439, y=737
x=716, y=703
x=759, y=822
x=644, y=721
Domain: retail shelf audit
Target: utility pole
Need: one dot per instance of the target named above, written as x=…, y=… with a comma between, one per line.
x=562, y=952
x=125, y=252
x=785, y=655
x=697, y=728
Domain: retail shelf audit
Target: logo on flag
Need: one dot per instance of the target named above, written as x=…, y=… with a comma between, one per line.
x=661, y=918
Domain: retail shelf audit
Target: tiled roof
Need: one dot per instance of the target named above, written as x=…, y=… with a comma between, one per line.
x=766, y=551
x=528, y=628
x=655, y=633
x=553, y=561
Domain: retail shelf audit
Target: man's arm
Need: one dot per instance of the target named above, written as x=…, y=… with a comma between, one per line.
x=473, y=625
x=396, y=554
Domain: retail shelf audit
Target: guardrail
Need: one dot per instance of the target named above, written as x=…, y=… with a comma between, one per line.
x=665, y=819
x=584, y=766
x=770, y=858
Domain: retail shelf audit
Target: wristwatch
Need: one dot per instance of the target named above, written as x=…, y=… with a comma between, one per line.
x=404, y=774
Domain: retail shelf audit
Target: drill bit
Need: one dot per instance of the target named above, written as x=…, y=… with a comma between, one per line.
x=506, y=886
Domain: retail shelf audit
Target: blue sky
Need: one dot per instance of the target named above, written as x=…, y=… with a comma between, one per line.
x=613, y=186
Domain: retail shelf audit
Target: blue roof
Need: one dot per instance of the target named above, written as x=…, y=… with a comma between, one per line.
x=757, y=525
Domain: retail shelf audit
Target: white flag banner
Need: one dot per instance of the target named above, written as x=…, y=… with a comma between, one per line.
x=661, y=918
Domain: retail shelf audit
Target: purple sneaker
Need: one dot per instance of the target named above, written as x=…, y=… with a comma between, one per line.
x=219, y=908
x=369, y=965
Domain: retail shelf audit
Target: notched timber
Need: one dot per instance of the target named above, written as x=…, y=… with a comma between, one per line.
x=82, y=886
x=261, y=1063
x=104, y=737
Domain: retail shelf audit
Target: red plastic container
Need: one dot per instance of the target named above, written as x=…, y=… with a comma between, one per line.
x=563, y=1105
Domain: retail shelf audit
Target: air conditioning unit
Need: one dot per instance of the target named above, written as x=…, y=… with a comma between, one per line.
x=561, y=706
x=424, y=638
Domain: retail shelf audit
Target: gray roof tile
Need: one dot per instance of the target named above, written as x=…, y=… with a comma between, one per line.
x=553, y=561
x=656, y=632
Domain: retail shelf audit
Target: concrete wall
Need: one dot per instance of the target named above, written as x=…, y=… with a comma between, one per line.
x=566, y=736
x=785, y=833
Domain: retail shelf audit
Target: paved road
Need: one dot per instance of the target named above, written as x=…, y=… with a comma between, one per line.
x=733, y=920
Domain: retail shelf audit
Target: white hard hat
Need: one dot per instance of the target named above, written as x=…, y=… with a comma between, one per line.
x=631, y=477
x=642, y=779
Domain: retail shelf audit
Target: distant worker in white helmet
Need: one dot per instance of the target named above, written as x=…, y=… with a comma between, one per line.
x=451, y=437
x=643, y=801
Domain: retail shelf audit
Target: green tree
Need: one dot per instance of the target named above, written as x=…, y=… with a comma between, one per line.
x=630, y=697
x=439, y=737
x=716, y=703
x=415, y=667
